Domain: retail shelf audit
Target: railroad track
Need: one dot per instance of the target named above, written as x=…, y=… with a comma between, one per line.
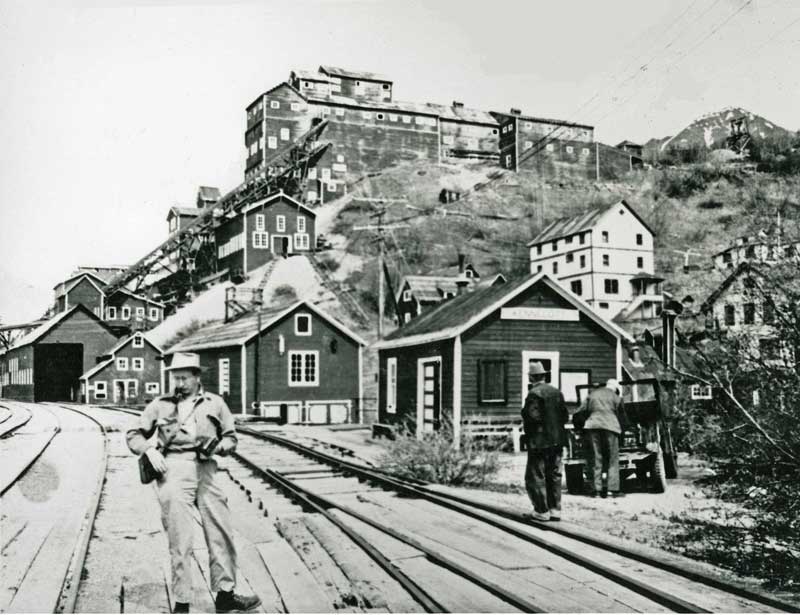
x=640, y=579
x=54, y=465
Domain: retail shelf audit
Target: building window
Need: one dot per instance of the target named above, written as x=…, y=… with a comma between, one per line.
x=406, y=119
x=312, y=173
x=538, y=268
x=582, y=238
x=331, y=187
x=100, y=390
x=585, y=151
x=339, y=111
x=260, y=240
x=448, y=140
x=555, y=267
x=639, y=239
x=153, y=314
x=406, y=295
x=508, y=160
x=605, y=236
x=640, y=262
x=261, y=223
x=701, y=391
x=583, y=261
x=528, y=144
x=730, y=315
x=393, y=117
x=312, y=196
x=555, y=246
x=303, y=368
x=769, y=348
x=326, y=174
x=492, y=382
x=280, y=223
x=302, y=324
x=611, y=286
x=568, y=239
x=769, y=311
x=284, y=134
x=301, y=241
x=749, y=313
x=367, y=115
x=538, y=249
x=550, y=147
x=570, y=149
x=606, y=260
x=138, y=341
x=152, y=388
x=295, y=106
x=137, y=364
x=224, y=376
x=407, y=317
x=139, y=313
x=122, y=364
x=272, y=142
x=380, y=116
x=126, y=313
x=391, y=384
x=603, y=305
x=274, y=104
x=528, y=125
x=301, y=224
x=111, y=313
x=577, y=287
x=570, y=257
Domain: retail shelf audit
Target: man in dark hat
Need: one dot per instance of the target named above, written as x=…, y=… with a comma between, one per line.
x=544, y=416
x=193, y=426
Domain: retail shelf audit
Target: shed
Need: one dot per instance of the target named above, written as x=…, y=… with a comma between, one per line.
x=129, y=373
x=47, y=363
x=293, y=359
x=468, y=359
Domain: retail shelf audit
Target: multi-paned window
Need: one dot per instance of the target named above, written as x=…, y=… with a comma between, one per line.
x=153, y=313
x=272, y=142
x=111, y=313
x=301, y=241
x=139, y=313
x=274, y=104
x=260, y=240
x=639, y=239
x=606, y=260
x=303, y=368
x=224, y=376
x=492, y=381
x=605, y=236
x=284, y=134
x=301, y=224
x=280, y=223
x=749, y=313
x=570, y=257
x=611, y=286
x=137, y=364
x=122, y=364
x=126, y=312
x=701, y=391
x=138, y=341
x=391, y=385
x=577, y=287
x=640, y=262
x=100, y=389
x=730, y=315
x=152, y=388
x=302, y=324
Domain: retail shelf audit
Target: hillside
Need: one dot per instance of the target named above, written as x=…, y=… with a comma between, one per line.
x=710, y=131
x=697, y=207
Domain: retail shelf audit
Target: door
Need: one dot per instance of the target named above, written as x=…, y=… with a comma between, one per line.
x=429, y=394
x=119, y=391
x=57, y=370
x=281, y=244
x=549, y=361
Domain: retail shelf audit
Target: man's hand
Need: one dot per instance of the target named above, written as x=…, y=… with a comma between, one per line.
x=156, y=459
x=224, y=447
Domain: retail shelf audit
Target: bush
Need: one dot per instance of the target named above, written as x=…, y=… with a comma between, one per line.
x=328, y=263
x=284, y=292
x=435, y=459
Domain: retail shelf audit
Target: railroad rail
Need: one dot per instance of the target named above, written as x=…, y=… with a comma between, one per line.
x=520, y=525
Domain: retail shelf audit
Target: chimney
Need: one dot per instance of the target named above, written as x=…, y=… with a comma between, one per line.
x=461, y=259
x=515, y=111
x=458, y=105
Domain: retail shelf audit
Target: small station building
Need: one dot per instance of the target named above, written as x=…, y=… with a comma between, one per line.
x=469, y=358
x=294, y=362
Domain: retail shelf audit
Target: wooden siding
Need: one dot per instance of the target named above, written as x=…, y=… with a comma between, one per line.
x=150, y=373
x=338, y=373
x=209, y=360
x=121, y=300
x=469, y=136
x=80, y=328
x=256, y=257
x=222, y=234
x=407, y=380
x=18, y=392
x=85, y=293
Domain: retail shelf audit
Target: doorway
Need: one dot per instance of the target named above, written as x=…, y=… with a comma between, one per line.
x=281, y=245
x=429, y=394
x=57, y=369
x=549, y=361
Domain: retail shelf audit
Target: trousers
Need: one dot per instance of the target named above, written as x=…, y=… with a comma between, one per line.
x=189, y=483
x=543, y=479
x=605, y=458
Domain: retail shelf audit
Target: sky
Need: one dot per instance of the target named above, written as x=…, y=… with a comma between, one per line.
x=113, y=111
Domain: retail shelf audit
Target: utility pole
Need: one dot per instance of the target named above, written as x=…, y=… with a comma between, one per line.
x=379, y=228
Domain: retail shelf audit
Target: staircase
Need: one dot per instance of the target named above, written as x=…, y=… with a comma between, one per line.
x=338, y=290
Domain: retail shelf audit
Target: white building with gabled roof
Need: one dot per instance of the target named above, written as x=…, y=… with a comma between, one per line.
x=605, y=256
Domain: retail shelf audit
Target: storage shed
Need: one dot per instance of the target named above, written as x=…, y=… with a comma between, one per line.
x=469, y=358
x=294, y=361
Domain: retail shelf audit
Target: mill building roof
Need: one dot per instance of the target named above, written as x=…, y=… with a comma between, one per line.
x=354, y=74
x=533, y=118
x=184, y=211
x=431, y=287
x=39, y=332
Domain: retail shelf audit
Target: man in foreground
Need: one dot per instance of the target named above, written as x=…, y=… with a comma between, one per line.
x=195, y=426
x=544, y=416
x=603, y=407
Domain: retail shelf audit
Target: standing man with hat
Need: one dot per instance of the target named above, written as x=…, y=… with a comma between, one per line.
x=544, y=416
x=192, y=426
x=604, y=408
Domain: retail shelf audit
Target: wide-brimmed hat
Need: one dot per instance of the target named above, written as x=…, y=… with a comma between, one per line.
x=185, y=360
x=537, y=369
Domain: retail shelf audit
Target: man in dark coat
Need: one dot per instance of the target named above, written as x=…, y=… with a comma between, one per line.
x=544, y=416
x=603, y=428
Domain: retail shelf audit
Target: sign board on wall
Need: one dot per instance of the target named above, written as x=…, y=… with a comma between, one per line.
x=536, y=313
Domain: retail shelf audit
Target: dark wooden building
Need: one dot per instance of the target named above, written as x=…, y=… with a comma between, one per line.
x=47, y=363
x=127, y=311
x=129, y=373
x=82, y=288
x=276, y=226
x=299, y=358
x=469, y=357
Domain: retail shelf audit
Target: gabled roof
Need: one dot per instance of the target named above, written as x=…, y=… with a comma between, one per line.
x=241, y=331
x=208, y=193
x=39, y=332
x=563, y=227
x=184, y=211
x=79, y=278
x=309, y=75
x=125, y=291
x=270, y=199
x=354, y=74
x=79, y=274
x=457, y=315
x=428, y=287
x=532, y=118
x=626, y=142
x=745, y=267
x=91, y=372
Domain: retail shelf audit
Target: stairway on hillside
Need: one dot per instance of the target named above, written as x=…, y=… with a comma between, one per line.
x=336, y=288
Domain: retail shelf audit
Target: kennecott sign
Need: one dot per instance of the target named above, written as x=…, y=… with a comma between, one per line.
x=531, y=313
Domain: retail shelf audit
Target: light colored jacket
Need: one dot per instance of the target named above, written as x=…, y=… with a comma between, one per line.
x=212, y=414
x=604, y=407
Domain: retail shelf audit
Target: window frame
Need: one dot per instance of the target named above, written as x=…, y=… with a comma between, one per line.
x=95, y=393
x=224, y=367
x=121, y=364
x=152, y=314
x=482, y=385
x=126, y=312
x=301, y=224
x=138, y=340
x=297, y=318
x=111, y=312
x=280, y=223
x=729, y=315
x=152, y=388
x=391, y=385
x=576, y=284
x=140, y=313
x=701, y=391
x=274, y=104
x=304, y=354
x=137, y=361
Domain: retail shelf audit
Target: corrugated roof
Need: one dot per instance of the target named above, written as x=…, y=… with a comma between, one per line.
x=354, y=74
x=569, y=226
x=309, y=75
x=431, y=287
x=463, y=311
x=533, y=118
x=418, y=108
x=185, y=211
x=209, y=193
x=463, y=114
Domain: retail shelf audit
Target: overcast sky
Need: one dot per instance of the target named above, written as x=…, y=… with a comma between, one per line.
x=113, y=111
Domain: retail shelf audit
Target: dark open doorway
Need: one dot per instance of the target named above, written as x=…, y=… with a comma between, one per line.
x=57, y=370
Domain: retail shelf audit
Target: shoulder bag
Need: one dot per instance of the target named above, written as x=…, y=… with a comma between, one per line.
x=147, y=473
